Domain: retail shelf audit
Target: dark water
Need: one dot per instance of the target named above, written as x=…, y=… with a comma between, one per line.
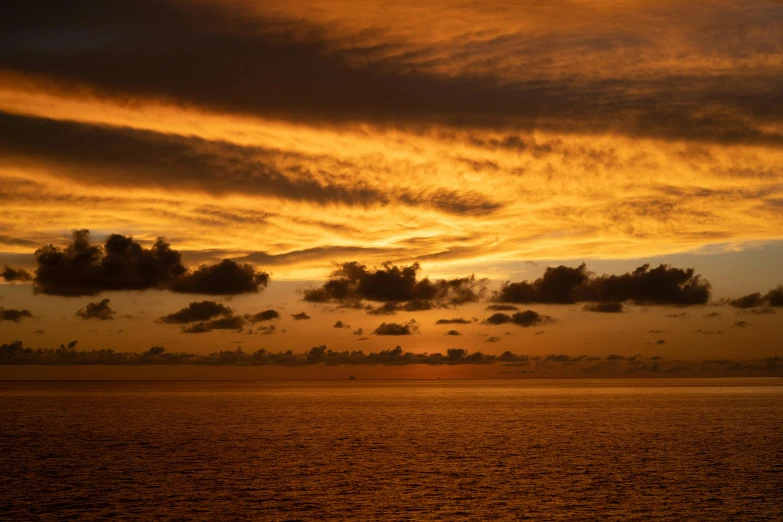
x=549, y=450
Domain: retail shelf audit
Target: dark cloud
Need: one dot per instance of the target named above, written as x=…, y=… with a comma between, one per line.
x=340, y=324
x=417, y=305
x=245, y=66
x=205, y=316
x=397, y=329
x=266, y=315
x=452, y=332
x=122, y=264
x=224, y=278
x=197, y=311
x=773, y=298
x=358, y=331
x=100, y=310
x=133, y=158
x=678, y=315
x=397, y=287
x=741, y=324
x=493, y=339
x=15, y=274
x=456, y=320
x=502, y=308
x=748, y=301
x=13, y=315
x=608, y=308
x=83, y=268
x=660, y=341
x=525, y=319
x=230, y=322
x=663, y=285
x=301, y=316
x=713, y=315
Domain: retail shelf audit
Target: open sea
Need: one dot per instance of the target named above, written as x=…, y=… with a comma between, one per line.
x=645, y=449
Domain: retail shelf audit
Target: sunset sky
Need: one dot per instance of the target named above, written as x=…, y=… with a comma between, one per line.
x=359, y=161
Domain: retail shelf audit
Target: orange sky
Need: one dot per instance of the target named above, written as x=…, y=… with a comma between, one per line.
x=486, y=138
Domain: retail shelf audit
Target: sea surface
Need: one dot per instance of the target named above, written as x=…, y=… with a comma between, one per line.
x=673, y=449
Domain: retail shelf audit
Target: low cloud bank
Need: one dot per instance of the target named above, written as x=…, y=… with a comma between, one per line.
x=508, y=362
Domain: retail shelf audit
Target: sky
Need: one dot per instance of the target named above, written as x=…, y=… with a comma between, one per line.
x=333, y=172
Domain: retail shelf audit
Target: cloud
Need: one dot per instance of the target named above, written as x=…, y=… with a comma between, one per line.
x=13, y=315
x=197, y=311
x=493, y=339
x=741, y=324
x=266, y=315
x=772, y=298
x=224, y=278
x=663, y=285
x=340, y=324
x=456, y=320
x=123, y=264
x=230, y=322
x=142, y=158
x=15, y=274
x=609, y=307
x=100, y=311
x=205, y=316
x=358, y=331
x=502, y=307
x=301, y=316
x=748, y=301
x=397, y=329
x=452, y=332
x=525, y=319
x=423, y=64
x=397, y=287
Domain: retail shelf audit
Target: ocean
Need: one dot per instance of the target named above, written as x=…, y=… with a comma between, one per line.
x=620, y=449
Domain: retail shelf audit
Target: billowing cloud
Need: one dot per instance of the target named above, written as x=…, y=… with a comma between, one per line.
x=15, y=274
x=14, y=315
x=397, y=329
x=397, y=287
x=197, y=311
x=525, y=319
x=224, y=278
x=101, y=311
x=301, y=316
x=83, y=268
x=663, y=285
